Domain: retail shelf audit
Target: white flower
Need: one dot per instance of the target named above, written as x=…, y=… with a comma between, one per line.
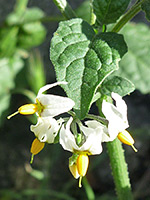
x=47, y=105
x=116, y=116
x=91, y=146
x=46, y=129
x=53, y=105
x=93, y=136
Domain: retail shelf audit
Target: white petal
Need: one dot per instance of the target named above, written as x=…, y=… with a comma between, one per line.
x=54, y=105
x=93, y=137
x=114, y=116
x=94, y=124
x=66, y=138
x=45, y=129
x=93, y=143
x=120, y=104
x=48, y=86
x=109, y=134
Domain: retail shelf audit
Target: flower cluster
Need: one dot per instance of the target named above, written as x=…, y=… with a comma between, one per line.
x=81, y=139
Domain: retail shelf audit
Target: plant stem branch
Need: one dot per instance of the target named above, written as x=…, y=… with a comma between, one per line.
x=128, y=16
x=65, y=9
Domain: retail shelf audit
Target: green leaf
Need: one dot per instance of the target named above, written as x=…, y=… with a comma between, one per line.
x=32, y=34
x=146, y=8
x=135, y=65
x=108, y=11
x=118, y=85
x=28, y=16
x=80, y=12
x=33, y=14
x=84, y=60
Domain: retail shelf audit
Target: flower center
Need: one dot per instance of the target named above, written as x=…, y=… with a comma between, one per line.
x=40, y=107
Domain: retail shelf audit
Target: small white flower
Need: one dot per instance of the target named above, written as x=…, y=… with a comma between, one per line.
x=91, y=146
x=53, y=105
x=47, y=105
x=46, y=129
x=93, y=136
x=116, y=116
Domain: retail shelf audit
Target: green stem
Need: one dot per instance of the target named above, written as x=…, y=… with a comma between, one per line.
x=88, y=189
x=128, y=16
x=65, y=9
x=97, y=118
x=20, y=6
x=119, y=170
x=52, y=18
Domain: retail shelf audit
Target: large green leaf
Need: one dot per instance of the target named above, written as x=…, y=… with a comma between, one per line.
x=118, y=85
x=135, y=65
x=146, y=8
x=84, y=60
x=108, y=11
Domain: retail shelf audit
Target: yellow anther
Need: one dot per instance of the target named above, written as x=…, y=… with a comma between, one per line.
x=74, y=171
x=82, y=166
x=126, y=138
x=27, y=109
x=36, y=146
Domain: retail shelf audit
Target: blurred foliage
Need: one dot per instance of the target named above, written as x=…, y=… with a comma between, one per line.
x=135, y=65
x=21, y=31
x=22, y=70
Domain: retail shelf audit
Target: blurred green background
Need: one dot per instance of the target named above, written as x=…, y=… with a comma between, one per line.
x=26, y=28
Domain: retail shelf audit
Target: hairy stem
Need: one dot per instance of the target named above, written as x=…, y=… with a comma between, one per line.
x=118, y=166
x=119, y=170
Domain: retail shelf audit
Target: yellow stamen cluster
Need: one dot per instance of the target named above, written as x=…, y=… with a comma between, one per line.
x=126, y=138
